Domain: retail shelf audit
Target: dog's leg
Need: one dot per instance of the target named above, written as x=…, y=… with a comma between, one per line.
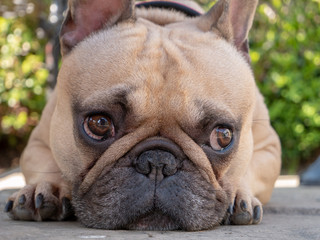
x=256, y=186
x=266, y=161
x=46, y=195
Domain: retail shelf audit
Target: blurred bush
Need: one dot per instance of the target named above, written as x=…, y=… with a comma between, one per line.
x=23, y=76
x=285, y=54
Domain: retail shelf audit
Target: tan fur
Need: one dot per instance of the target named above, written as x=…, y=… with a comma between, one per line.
x=166, y=72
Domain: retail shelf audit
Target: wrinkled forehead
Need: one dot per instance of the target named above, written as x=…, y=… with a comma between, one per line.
x=177, y=60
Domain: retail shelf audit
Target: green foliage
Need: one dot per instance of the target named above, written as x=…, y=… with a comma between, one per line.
x=285, y=53
x=22, y=80
x=206, y=4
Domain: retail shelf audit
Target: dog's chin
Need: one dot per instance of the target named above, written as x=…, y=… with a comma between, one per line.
x=123, y=198
x=153, y=221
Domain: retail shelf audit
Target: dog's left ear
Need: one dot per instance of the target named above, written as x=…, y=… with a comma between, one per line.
x=233, y=20
x=87, y=16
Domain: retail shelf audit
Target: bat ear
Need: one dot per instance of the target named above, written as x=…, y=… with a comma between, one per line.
x=87, y=16
x=233, y=20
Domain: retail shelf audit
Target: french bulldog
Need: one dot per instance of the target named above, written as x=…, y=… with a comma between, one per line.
x=156, y=122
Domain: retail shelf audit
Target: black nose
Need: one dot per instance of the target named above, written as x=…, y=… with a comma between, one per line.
x=156, y=164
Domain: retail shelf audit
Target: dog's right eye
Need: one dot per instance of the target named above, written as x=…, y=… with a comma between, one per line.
x=221, y=138
x=99, y=127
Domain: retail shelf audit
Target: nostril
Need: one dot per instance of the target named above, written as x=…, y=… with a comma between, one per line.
x=142, y=164
x=164, y=162
x=169, y=162
x=169, y=170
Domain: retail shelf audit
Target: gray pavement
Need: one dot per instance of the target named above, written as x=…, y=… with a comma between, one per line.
x=293, y=213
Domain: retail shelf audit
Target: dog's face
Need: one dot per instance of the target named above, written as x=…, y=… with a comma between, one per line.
x=152, y=126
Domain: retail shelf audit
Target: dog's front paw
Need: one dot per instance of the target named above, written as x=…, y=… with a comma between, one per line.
x=43, y=201
x=245, y=210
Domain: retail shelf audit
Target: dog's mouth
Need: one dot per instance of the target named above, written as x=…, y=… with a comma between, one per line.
x=153, y=187
x=153, y=221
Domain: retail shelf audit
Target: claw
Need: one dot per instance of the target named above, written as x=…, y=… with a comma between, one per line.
x=39, y=201
x=22, y=199
x=66, y=205
x=8, y=206
x=227, y=218
x=230, y=209
x=243, y=206
x=256, y=214
x=67, y=209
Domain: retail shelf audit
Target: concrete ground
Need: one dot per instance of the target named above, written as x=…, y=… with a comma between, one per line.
x=293, y=213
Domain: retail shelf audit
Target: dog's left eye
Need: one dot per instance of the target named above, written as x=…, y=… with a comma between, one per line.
x=99, y=127
x=220, y=138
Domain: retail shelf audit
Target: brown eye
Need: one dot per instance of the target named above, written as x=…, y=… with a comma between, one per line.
x=220, y=138
x=99, y=127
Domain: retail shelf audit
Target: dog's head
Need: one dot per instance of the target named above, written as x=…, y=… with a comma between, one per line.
x=152, y=126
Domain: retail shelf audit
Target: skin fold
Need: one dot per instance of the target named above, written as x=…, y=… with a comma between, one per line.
x=187, y=141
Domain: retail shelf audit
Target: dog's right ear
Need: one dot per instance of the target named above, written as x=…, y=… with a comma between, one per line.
x=87, y=16
x=232, y=19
